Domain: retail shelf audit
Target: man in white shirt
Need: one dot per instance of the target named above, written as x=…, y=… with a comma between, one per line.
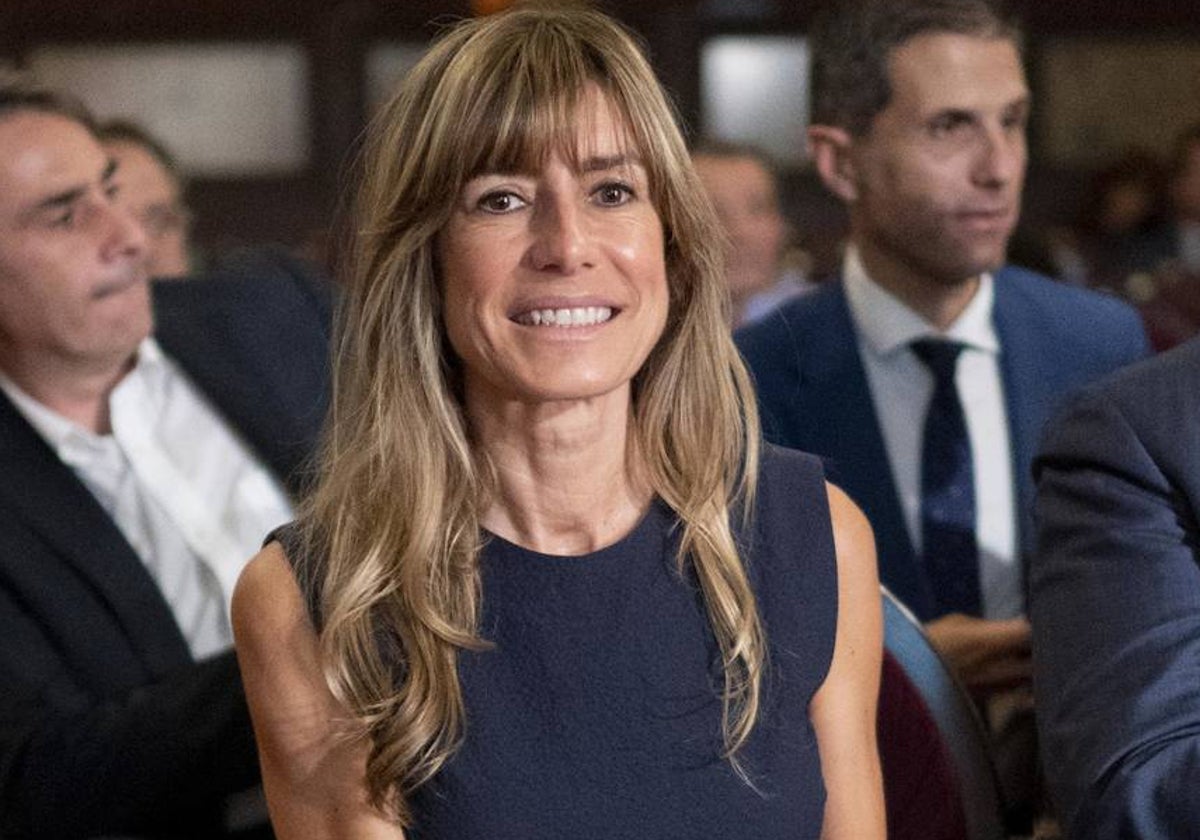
x=924, y=375
x=138, y=473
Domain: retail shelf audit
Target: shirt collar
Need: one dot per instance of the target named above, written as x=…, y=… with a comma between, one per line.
x=886, y=325
x=151, y=366
x=69, y=440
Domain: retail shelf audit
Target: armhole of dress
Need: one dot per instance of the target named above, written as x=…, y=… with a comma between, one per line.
x=802, y=477
x=291, y=540
x=822, y=495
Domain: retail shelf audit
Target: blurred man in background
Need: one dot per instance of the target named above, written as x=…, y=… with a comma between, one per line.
x=152, y=187
x=742, y=184
x=1115, y=602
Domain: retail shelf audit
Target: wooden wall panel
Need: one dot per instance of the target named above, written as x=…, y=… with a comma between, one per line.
x=337, y=35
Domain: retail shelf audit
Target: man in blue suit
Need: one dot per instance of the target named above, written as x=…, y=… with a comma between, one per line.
x=1115, y=602
x=149, y=437
x=925, y=145
x=918, y=126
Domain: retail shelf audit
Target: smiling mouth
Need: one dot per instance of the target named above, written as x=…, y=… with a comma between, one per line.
x=578, y=316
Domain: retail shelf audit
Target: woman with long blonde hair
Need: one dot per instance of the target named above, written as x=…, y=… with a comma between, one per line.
x=548, y=584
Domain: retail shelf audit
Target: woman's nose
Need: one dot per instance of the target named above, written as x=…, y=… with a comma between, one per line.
x=560, y=239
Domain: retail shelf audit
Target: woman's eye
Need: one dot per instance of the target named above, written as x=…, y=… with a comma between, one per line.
x=613, y=194
x=500, y=202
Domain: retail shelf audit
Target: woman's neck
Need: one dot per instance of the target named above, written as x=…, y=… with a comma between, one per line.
x=569, y=476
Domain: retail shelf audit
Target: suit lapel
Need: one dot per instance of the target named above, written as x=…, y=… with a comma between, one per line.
x=44, y=493
x=842, y=424
x=257, y=371
x=194, y=330
x=1027, y=391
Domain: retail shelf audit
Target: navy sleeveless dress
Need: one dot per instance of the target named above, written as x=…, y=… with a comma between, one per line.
x=597, y=713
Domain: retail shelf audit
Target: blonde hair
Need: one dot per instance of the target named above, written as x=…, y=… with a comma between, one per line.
x=395, y=517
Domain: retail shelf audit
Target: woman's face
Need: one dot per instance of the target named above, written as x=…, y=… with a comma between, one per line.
x=554, y=281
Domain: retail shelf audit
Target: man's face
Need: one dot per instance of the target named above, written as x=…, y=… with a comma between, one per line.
x=938, y=177
x=743, y=193
x=73, y=281
x=154, y=198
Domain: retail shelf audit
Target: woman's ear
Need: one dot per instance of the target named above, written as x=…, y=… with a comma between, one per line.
x=830, y=148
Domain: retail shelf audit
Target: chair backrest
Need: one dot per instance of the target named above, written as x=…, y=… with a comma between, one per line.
x=954, y=714
x=920, y=781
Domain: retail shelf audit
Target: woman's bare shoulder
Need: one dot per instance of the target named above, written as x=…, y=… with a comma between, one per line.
x=852, y=531
x=267, y=601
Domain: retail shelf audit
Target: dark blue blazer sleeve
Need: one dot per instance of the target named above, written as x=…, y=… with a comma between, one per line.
x=1115, y=604
x=254, y=335
x=160, y=759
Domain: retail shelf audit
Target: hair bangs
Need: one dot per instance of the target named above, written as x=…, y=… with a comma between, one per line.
x=530, y=104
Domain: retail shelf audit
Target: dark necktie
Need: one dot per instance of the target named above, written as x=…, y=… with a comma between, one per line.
x=950, y=553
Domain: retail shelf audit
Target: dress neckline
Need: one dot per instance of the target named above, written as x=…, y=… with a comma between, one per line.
x=647, y=525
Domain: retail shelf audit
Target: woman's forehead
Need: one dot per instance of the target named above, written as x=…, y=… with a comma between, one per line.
x=593, y=128
x=601, y=128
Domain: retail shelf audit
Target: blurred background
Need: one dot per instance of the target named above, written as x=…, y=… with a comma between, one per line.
x=262, y=102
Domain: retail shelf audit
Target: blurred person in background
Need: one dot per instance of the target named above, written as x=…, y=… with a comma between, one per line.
x=152, y=187
x=1115, y=602
x=1124, y=226
x=1140, y=237
x=742, y=183
x=1183, y=190
x=1171, y=302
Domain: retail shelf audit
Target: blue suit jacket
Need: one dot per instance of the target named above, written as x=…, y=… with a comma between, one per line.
x=107, y=724
x=1115, y=603
x=813, y=394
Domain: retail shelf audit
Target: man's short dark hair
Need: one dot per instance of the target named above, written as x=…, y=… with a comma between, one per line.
x=853, y=40
x=20, y=92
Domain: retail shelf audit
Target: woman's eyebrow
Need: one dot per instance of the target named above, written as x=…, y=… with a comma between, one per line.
x=601, y=163
x=595, y=163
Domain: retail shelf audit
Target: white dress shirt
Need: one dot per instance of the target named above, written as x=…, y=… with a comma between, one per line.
x=901, y=388
x=190, y=497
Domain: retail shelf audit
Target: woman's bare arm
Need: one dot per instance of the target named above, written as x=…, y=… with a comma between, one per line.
x=313, y=776
x=844, y=708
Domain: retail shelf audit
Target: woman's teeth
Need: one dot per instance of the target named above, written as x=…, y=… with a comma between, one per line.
x=579, y=316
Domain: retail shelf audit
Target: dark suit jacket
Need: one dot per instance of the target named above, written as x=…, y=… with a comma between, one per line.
x=106, y=722
x=1115, y=603
x=813, y=394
